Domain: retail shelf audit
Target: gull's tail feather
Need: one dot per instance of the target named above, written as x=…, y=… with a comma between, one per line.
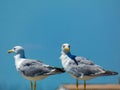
x=108, y=73
x=56, y=70
x=60, y=70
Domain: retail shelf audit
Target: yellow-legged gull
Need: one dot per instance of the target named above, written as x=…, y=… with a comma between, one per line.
x=32, y=70
x=81, y=68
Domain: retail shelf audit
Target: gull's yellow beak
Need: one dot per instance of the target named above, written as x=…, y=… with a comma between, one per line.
x=67, y=49
x=10, y=51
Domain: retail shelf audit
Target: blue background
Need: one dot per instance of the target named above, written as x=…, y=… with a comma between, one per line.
x=92, y=27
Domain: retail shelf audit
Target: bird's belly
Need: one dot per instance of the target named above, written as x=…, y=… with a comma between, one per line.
x=35, y=78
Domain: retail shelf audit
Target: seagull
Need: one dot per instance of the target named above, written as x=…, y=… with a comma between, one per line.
x=30, y=69
x=81, y=68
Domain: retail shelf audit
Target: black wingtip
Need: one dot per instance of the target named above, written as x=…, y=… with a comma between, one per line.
x=111, y=73
x=114, y=73
x=60, y=70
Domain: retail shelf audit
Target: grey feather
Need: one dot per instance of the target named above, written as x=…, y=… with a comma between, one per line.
x=36, y=68
x=86, y=67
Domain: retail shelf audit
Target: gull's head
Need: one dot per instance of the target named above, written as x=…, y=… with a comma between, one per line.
x=16, y=49
x=65, y=48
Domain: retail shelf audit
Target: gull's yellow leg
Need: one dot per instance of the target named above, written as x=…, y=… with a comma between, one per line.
x=76, y=84
x=31, y=85
x=84, y=84
x=34, y=85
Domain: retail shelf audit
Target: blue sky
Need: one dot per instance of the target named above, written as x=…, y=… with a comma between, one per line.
x=92, y=27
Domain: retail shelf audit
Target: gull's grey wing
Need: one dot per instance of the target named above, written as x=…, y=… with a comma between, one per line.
x=87, y=68
x=84, y=67
x=37, y=68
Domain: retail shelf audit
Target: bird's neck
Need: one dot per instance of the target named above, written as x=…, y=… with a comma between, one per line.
x=72, y=57
x=19, y=55
x=68, y=54
x=19, y=58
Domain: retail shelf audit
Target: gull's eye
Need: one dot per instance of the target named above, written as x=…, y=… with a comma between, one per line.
x=14, y=48
x=69, y=46
x=63, y=46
